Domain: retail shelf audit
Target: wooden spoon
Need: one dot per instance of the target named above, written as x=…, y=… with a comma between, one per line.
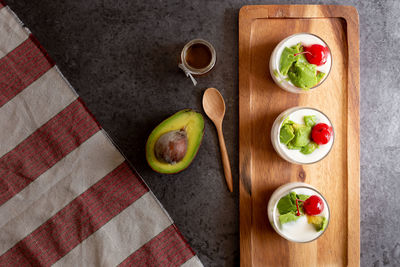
x=214, y=107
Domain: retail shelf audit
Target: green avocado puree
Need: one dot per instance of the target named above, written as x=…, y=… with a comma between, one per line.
x=299, y=71
x=297, y=136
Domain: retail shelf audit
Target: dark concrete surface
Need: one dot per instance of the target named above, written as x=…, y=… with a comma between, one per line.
x=121, y=56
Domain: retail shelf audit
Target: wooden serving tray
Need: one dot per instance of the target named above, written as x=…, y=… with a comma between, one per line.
x=337, y=176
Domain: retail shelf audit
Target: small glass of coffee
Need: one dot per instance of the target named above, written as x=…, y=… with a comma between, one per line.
x=198, y=57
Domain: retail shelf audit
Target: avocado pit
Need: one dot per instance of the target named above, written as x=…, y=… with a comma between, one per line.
x=171, y=147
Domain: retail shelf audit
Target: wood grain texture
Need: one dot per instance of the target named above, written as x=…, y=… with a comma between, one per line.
x=214, y=107
x=337, y=176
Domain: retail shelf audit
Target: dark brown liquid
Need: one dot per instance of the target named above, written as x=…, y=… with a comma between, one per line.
x=198, y=56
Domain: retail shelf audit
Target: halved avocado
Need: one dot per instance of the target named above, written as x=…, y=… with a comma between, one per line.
x=186, y=120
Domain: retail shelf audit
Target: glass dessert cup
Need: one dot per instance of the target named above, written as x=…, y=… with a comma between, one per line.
x=299, y=231
x=305, y=39
x=296, y=114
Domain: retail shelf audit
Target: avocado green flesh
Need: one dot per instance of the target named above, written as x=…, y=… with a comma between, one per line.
x=286, y=134
x=300, y=72
x=319, y=222
x=320, y=75
x=287, y=207
x=303, y=75
x=310, y=120
x=287, y=203
x=187, y=119
x=302, y=135
x=287, y=59
x=309, y=148
x=288, y=217
x=297, y=136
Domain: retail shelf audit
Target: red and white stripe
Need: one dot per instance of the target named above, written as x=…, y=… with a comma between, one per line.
x=67, y=195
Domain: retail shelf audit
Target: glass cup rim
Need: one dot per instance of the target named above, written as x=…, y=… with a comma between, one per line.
x=286, y=191
x=205, y=69
x=293, y=109
x=330, y=51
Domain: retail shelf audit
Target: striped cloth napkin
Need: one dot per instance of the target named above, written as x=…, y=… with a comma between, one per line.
x=68, y=197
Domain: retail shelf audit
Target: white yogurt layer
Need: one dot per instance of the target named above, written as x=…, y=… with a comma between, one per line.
x=295, y=156
x=305, y=39
x=300, y=230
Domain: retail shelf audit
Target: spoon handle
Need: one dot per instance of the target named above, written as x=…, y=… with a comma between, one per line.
x=225, y=159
